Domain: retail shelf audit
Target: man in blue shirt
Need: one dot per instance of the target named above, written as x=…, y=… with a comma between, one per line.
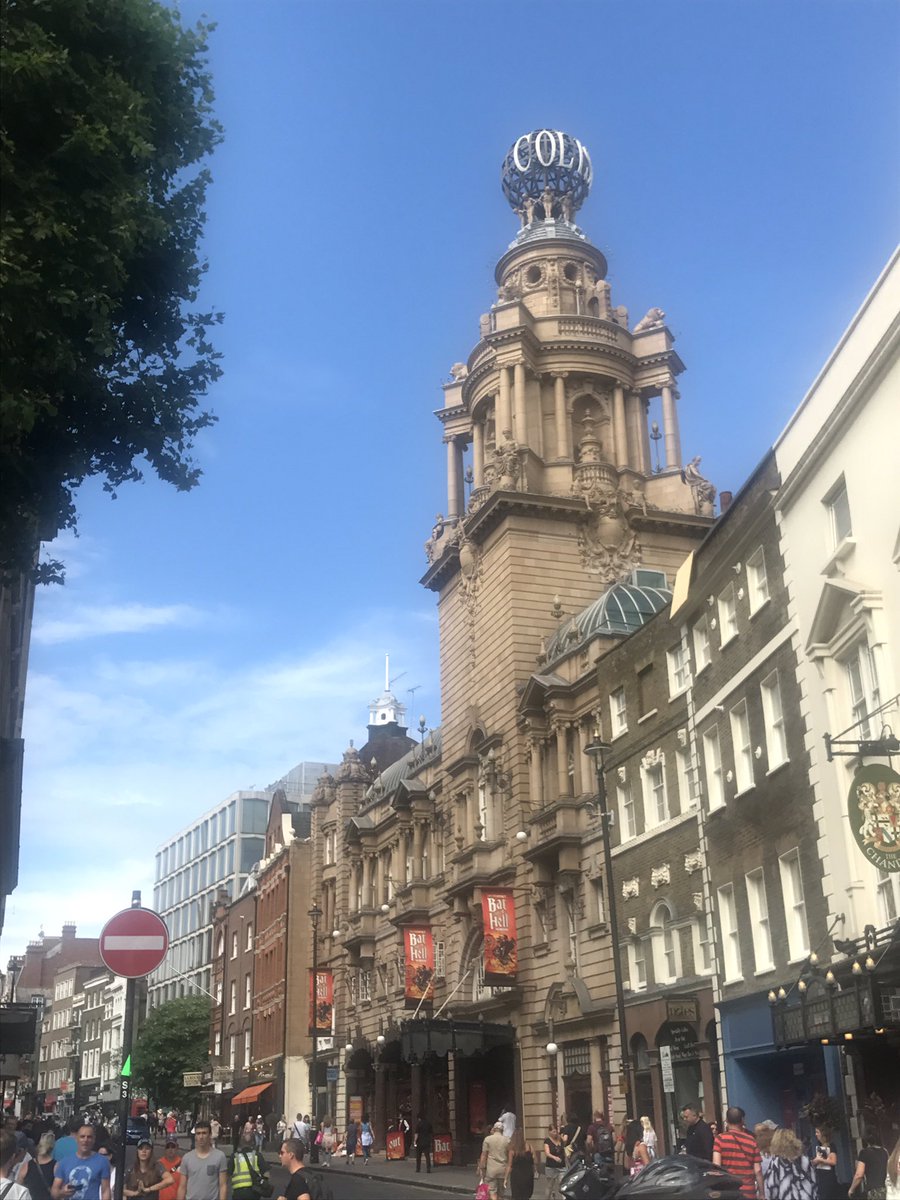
x=83, y=1175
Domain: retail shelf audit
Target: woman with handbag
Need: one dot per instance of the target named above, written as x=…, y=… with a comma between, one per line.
x=249, y=1178
x=327, y=1139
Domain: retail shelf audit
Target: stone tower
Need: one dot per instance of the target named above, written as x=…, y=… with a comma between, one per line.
x=553, y=493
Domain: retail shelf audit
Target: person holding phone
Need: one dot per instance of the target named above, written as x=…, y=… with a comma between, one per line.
x=83, y=1175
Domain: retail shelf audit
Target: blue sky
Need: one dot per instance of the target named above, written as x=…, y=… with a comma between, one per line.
x=746, y=181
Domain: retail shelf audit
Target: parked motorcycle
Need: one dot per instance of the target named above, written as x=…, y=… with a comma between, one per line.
x=677, y=1176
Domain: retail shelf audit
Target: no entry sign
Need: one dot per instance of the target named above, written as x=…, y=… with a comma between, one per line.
x=134, y=942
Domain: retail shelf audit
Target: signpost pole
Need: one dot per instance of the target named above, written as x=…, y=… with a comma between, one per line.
x=125, y=1085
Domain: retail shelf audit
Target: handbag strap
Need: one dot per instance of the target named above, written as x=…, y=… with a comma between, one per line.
x=254, y=1173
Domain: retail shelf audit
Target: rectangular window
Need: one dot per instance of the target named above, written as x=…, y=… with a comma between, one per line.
x=627, y=817
x=246, y=1048
x=862, y=685
x=757, y=580
x=887, y=899
x=759, y=920
x=838, y=506
x=365, y=985
x=637, y=965
x=656, y=807
x=249, y=941
x=234, y=945
x=743, y=751
x=217, y=1043
x=731, y=949
x=679, y=669
x=232, y=997
x=645, y=691
x=599, y=913
x=232, y=1050
x=712, y=755
x=728, y=625
x=773, y=714
x=440, y=960
x=703, y=952
x=687, y=790
x=617, y=712
x=702, y=651
x=248, y=995
x=794, y=905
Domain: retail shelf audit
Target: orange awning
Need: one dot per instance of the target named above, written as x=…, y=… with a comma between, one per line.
x=250, y=1093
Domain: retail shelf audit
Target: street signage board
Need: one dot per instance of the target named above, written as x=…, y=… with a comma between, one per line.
x=134, y=942
x=192, y=1079
x=331, y=1074
x=665, y=1064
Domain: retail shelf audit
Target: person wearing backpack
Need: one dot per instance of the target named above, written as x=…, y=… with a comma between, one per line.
x=600, y=1140
x=291, y=1158
x=248, y=1171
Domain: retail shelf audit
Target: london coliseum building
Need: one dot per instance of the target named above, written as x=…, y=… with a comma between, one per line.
x=554, y=505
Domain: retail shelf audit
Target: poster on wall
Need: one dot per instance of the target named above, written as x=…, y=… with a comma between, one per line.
x=418, y=947
x=501, y=952
x=874, y=812
x=321, y=1002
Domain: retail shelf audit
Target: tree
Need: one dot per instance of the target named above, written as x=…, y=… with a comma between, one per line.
x=173, y=1039
x=106, y=118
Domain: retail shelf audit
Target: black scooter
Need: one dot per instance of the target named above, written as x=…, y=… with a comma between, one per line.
x=677, y=1176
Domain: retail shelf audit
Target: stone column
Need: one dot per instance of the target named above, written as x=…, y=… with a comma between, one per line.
x=521, y=425
x=354, y=886
x=671, y=437
x=478, y=454
x=580, y=757
x=562, y=760
x=633, y=429
x=563, y=449
x=535, y=775
x=620, y=429
x=368, y=880
x=453, y=497
x=417, y=850
x=504, y=414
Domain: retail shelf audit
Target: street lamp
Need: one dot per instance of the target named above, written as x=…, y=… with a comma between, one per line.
x=315, y=915
x=552, y=1051
x=595, y=750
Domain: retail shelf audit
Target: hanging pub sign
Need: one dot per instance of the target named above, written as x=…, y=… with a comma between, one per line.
x=418, y=946
x=501, y=952
x=874, y=811
x=321, y=1003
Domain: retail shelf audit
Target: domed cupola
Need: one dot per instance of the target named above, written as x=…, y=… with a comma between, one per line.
x=620, y=610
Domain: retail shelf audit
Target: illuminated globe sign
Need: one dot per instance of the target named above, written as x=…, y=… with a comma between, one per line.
x=546, y=170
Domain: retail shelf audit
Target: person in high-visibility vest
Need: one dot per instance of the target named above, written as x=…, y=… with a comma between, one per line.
x=248, y=1169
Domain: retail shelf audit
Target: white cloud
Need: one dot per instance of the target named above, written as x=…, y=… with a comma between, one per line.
x=104, y=619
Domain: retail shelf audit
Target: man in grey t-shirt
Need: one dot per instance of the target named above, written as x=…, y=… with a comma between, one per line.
x=203, y=1174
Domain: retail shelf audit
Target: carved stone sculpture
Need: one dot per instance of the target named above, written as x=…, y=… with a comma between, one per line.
x=702, y=490
x=654, y=319
x=660, y=876
x=693, y=861
x=437, y=532
x=631, y=889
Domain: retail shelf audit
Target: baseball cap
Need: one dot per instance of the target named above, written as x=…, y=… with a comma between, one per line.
x=171, y=1142
x=145, y=1142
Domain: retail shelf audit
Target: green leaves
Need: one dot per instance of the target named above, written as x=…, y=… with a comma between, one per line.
x=106, y=123
x=174, y=1039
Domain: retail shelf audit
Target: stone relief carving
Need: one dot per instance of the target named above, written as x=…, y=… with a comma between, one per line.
x=654, y=319
x=660, y=876
x=653, y=758
x=702, y=490
x=471, y=568
x=632, y=924
x=697, y=898
x=609, y=561
x=458, y=371
x=621, y=774
x=437, y=532
x=682, y=737
x=693, y=861
x=631, y=889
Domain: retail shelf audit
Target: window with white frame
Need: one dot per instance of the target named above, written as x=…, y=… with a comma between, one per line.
x=731, y=947
x=837, y=505
x=712, y=756
x=618, y=713
x=687, y=789
x=234, y=945
x=679, y=669
x=757, y=580
x=365, y=985
x=702, y=942
x=627, y=814
x=217, y=1043
x=773, y=714
x=246, y=1047
x=598, y=904
x=249, y=942
x=862, y=686
x=637, y=965
x=743, y=751
x=887, y=897
x=702, y=648
x=653, y=778
x=232, y=1051
x=248, y=994
x=218, y=991
x=232, y=997
x=440, y=960
x=759, y=920
x=728, y=624
x=794, y=905
x=666, y=955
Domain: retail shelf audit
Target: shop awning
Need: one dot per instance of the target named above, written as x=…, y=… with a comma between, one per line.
x=250, y=1093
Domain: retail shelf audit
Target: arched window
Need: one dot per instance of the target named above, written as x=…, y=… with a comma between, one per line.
x=666, y=948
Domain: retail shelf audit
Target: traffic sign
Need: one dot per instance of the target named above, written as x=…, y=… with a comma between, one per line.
x=665, y=1063
x=134, y=942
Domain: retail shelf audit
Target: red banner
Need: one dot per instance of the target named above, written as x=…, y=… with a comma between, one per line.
x=321, y=1003
x=418, y=945
x=395, y=1145
x=442, y=1154
x=501, y=952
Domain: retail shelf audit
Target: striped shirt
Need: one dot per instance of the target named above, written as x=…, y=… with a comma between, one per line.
x=739, y=1155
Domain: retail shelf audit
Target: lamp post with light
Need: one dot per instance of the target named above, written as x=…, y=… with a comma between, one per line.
x=596, y=750
x=552, y=1051
x=315, y=915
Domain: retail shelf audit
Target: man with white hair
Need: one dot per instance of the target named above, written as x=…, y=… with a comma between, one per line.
x=492, y=1164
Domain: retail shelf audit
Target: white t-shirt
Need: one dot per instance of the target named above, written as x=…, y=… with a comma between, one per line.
x=13, y=1191
x=508, y=1121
